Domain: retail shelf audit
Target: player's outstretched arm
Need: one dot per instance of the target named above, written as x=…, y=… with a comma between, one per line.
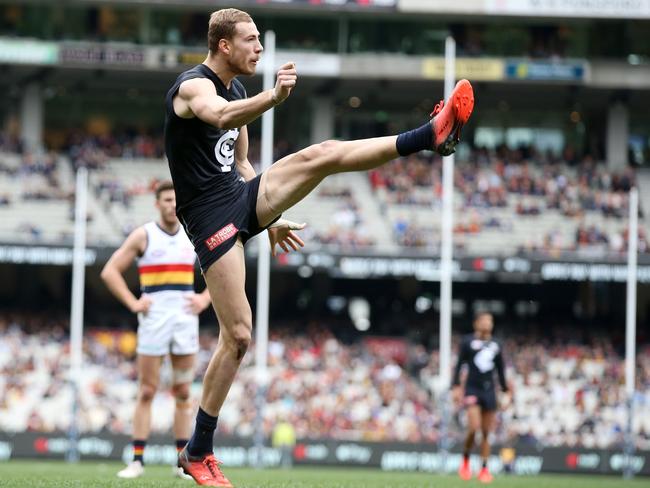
x=198, y=98
x=119, y=262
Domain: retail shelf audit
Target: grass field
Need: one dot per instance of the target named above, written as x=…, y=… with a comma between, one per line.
x=58, y=474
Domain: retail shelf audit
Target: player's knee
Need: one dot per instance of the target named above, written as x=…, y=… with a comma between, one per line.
x=325, y=153
x=321, y=149
x=181, y=393
x=329, y=154
x=329, y=146
x=146, y=393
x=240, y=339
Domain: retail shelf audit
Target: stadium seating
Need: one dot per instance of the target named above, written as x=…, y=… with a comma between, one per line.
x=567, y=393
x=541, y=205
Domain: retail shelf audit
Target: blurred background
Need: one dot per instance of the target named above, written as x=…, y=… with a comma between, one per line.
x=559, y=135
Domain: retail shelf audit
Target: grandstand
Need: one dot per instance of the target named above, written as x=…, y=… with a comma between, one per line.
x=568, y=393
x=542, y=178
x=541, y=207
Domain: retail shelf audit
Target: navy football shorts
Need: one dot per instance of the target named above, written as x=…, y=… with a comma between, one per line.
x=484, y=398
x=213, y=226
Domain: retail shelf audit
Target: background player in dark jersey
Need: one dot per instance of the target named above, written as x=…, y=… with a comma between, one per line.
x=221, y=202
x=483, y=355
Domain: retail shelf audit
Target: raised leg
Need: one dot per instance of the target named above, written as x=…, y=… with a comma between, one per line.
x=293, y=177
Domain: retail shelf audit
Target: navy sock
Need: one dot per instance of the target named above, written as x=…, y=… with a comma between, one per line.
x=485, y=463
x=202, y=439
x=180, y=444
x=138, y=449
x=415, y=140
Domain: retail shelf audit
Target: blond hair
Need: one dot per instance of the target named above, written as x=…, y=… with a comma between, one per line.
x=222, y=25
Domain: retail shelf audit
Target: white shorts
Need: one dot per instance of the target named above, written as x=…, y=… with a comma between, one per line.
x=164, y=330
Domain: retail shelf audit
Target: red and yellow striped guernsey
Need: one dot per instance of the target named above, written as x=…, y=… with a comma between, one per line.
x=168, y=261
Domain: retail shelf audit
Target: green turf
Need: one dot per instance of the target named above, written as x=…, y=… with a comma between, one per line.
x=58, y=474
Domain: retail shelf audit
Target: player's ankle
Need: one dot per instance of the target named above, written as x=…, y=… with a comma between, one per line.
x=415, y=140
x=201, y=442
x=138, y=450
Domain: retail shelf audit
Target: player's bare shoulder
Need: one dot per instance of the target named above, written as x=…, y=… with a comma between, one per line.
x=136, y=241
x=188, y=92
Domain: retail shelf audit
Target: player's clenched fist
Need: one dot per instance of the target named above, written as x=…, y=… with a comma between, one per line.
x=286, y=80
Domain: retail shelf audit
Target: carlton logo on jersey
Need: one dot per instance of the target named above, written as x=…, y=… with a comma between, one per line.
x=224, y=150
x=484, y=360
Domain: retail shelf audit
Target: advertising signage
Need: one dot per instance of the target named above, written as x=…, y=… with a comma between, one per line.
x=286, y=4
x=28, y=52
x=361, y=4
x=389, y=456
x=525, y=268
x=465, y=269
x=497, y=69
x=88, y=54
x=546, y=70
x=48, y=255
x=588, y=9
x=476, y=69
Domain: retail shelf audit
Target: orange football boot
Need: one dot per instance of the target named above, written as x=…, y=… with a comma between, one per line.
x=204, y=469
x=464, y=471
x=484, y=476
x=450, y=117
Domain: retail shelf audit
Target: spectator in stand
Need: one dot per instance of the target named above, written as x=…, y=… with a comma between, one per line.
x=569, y=391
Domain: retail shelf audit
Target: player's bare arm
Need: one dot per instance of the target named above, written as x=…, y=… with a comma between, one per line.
x=244, y=167
x=198, y=98
x=119, y=262
x=457, y=387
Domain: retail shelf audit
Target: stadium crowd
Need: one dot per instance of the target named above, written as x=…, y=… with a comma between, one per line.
x=530, y=180
x=494, y=188
x=566, y=392
x=346, y=228
x=523, y=183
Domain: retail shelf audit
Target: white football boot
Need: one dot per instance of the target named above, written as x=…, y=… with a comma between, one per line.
x=133, y=470
x=178, y=472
